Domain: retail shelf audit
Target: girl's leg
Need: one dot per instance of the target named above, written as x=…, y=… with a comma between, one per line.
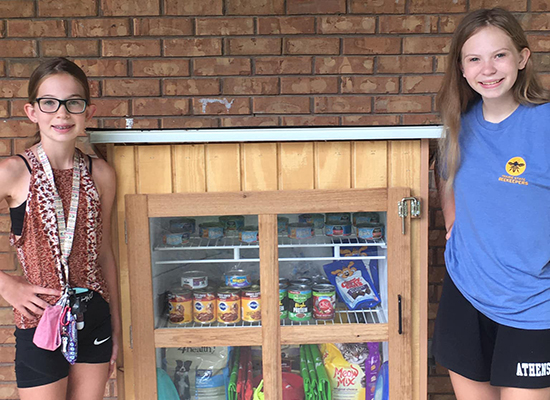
x=524, y=394
x=52, y=391
x=467, y=389
x=87, y=381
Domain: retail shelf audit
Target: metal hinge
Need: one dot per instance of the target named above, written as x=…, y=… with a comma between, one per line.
x=403, y=210
x=125, y=233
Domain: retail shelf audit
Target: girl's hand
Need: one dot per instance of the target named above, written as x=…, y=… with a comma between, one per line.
x=23, y=296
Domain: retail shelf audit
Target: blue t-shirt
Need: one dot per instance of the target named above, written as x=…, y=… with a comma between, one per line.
x=499, y=251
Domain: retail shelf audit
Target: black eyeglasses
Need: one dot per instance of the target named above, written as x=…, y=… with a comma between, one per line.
x=50, y=105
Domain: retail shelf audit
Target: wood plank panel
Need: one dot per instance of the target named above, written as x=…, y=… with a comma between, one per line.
x=404, y=165
x=154, y=169
x=189, y=168
x=296, y=166
x=332, y=165
x=259, y=166
x=370, y=164
x=223, y=169
x=178, y=337
x=337, y=333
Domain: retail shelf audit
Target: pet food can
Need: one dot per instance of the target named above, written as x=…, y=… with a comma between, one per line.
x=365, y=218
x=337, y=230
x=251, y=306
x=232, y=223
x=180, y=306
x=318, y=220
x=282, y=225
x=370, y=231
x=324, y=301
x=299, y=303
x=300, y=231
x=194, y=280
x=182, y=225
x=229, y=305
x=283, y=298
x=237, y=278
x=249, y=234
x=204, y=305
x=175, y=239
x=338, y=218
x=211, y=230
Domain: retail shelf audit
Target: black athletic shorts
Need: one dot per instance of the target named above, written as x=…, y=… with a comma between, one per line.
x=36, y=367
x=476, y=347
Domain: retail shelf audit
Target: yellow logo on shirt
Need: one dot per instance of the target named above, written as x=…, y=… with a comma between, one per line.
x=515, y=167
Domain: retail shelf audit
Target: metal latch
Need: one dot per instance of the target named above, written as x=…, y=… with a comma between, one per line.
x=403, y=210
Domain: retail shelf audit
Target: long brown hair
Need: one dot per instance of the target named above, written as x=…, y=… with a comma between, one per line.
x=456, y=95
x=53, y=66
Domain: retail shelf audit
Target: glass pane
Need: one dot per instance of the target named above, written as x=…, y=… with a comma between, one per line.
x=205, y=271
x=332, y=268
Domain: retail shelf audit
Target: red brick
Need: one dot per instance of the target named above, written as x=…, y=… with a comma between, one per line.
x=160, y=106
x=130, y=48
x=131, y=87
x=162, y=67
x=196, y=47
x=19, y=145
x=5, y=150
x=190, y=122
x=316, y=6
x=17, y=8
x=125, y=7
x=372, y=45
x=422, y=84
x=17, y=128
x=370, y=120
x=18, y=48
x=4, y=109
x=100, y=27
x=7, y=353
x=70, y=48
x=22, y=68
x=346, y=25
x=221, y=66
x=403, y=104
x=304, y=85
x=250, y=86
x=449, y=23
x=2, y=68
x=4, y=227
x=437, y=6
x=255, y=7
x=370, y=84
x=281, y=105
x=343, y=104
x=7, y=336
x=426, y=44
x=377, y=6
x=344, y=65
x=2, y=29
x=191, y=87
x=67, y=8
x=535, y=22
x=253, y=46
x=408, y=24
x=13, y=88
x=510, y=5
x=36, y=28
x=540, y=5
x=286, y=25
x=310, y=120
x=224, y=26
x=541, y=61
x=283, y=65
x=193, y=7
x=163, y=26
x=111, y=108
x=421, y=119
x=441, y=63
x=235, y=105
x=7, y=263
x=103, y=67
x=312, y=45
x=404, y=64
x=229, y=122
x=539, y=43
x=138, y=123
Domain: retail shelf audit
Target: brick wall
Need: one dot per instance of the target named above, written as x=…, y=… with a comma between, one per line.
x=226, y=63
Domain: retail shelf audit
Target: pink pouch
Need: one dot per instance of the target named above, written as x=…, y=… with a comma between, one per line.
x=48, y=332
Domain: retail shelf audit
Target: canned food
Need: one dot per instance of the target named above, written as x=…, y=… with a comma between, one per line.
x=194, y=280
x=337, y=230
x=180, y=306
x=250, y=301
x=324, y=301
x=182, y=225
x=249, y=234
x=300, y=231
x=283, y=298
x=238, y=278
x=338, y=218
x=229, y=305
x=318, y=220
x=299, y=302
x=370, y=231
x=232, y=222
x=211, y=230
x=204, y=305
x=365, y=218
x=175, y=239
x=282, y=225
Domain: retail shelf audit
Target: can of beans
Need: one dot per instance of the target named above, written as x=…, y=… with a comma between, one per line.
x=180, y=306
x=229, y=305
x=283, y=298
x=204, y=305
x=324, y=301
x=251, y=306
x=299, y=302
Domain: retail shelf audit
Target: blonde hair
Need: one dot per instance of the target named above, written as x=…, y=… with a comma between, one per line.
x=456, y=95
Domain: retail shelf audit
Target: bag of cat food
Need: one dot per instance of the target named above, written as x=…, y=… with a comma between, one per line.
x=347, y=379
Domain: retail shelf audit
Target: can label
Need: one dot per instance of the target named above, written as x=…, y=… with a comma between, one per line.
x=299, y=303
x=324, y=301
x=283, y=302
x=229, y=307
x=180, y=307
x=239, y=279
x=251, y=306
x=204, y=307
x=194, y=280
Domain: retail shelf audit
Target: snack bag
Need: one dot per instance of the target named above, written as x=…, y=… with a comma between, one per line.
x=365, y=251
x=346, y=379
x=372, y=365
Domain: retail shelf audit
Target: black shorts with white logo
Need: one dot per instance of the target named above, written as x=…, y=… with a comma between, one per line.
x=476, y=347
x=36, y=367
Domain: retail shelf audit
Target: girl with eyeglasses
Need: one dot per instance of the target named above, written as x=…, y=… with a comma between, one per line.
x=60, y=204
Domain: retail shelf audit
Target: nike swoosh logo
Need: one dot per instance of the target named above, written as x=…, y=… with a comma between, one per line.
x=98, y=342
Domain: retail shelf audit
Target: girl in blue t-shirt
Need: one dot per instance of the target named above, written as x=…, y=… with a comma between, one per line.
x=492, y=329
